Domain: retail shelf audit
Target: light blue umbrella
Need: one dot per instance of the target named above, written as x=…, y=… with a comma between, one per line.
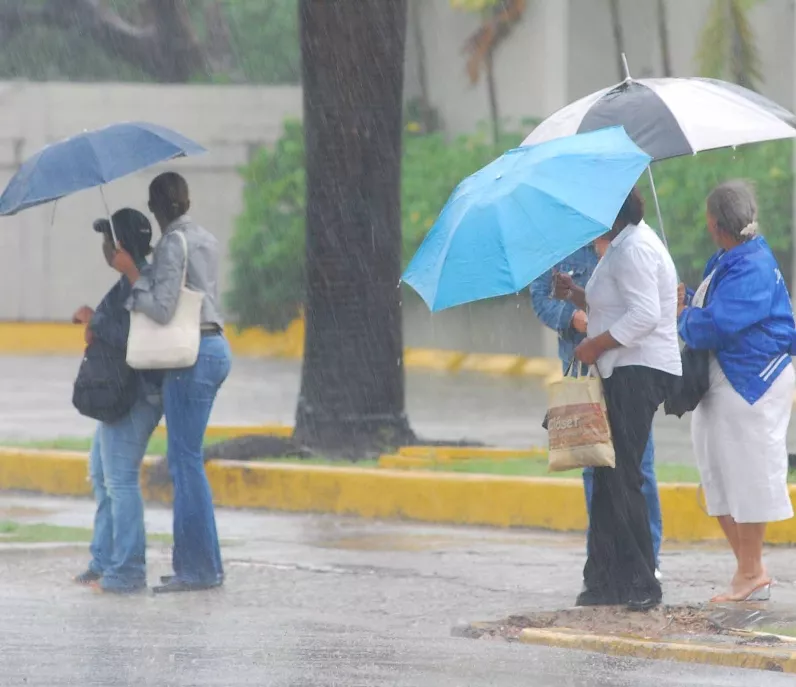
x=517, y=217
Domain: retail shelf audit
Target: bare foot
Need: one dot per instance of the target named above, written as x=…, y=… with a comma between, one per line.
x=742, y=588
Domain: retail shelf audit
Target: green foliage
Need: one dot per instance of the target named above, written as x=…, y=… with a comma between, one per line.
x=684, y=183
x=727, y=47
x=263, y=36
x=267, y=249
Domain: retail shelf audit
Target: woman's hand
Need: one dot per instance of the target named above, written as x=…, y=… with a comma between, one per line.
x=563, y=285
x=82, y=315
x=121, y=261
x=580, y=321
x=588, y=351
x=681, y=298
x=124, y=263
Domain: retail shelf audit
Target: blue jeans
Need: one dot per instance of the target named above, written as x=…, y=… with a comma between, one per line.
x=650, y=490
x=188, y=397
x=118, y=546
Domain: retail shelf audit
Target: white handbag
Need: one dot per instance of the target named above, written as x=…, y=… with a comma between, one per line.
x=153, y=346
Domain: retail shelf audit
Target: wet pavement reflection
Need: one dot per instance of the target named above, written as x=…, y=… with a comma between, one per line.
x=504, y=411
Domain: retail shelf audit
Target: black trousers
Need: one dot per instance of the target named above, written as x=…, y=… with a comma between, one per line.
x=621, y=562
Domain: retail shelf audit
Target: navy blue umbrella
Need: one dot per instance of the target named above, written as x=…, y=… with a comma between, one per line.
x=92, y=159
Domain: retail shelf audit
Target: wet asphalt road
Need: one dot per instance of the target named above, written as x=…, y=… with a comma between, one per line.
x=35, y=402
x=317, y=601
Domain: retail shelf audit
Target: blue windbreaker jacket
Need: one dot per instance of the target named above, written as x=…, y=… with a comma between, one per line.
x=747, y=319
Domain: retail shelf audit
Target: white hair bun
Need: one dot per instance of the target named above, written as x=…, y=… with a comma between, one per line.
x=750, y=230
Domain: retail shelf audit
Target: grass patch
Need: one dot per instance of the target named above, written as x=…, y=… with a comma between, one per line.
x=524, y=467
x=37, y=533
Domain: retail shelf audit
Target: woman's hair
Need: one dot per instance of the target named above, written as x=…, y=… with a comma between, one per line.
x=134, y=232
x=632, y=211
x=168, y=196
x=734, y=207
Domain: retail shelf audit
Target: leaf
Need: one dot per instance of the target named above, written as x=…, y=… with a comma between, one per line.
x=727, y=47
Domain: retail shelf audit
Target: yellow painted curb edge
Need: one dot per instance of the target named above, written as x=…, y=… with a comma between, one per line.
x=754, y=658
x=439, y=497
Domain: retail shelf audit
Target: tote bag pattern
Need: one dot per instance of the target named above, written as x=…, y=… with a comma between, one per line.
x=577, y=425
x=171, y=346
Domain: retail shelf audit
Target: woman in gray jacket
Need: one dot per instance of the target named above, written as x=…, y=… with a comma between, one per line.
x=188, y=394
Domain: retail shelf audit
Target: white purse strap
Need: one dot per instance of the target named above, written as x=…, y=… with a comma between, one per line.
x=185, y=264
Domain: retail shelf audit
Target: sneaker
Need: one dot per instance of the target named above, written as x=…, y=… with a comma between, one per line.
x=87, y=577
x=658, y=575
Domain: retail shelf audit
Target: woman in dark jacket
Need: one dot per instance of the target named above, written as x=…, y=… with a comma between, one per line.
x=118, y=547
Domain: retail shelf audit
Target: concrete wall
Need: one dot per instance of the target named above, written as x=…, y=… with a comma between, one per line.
x=564, y=49
x=50, y=259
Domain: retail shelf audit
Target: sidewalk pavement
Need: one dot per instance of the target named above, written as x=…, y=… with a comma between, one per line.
x=321, y=600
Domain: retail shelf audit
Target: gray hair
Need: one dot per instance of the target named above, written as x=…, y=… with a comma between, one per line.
x=734, y=207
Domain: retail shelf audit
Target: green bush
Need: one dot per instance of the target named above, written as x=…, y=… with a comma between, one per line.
x=684, y=183
x=267, y=248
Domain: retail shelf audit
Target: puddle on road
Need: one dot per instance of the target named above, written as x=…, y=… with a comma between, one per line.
x=389, y=541
x=15, y=512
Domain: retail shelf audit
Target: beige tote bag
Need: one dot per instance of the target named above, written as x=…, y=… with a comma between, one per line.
x=153, y=346
x=577, y=425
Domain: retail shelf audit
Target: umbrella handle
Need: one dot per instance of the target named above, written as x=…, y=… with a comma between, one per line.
x=110, y=216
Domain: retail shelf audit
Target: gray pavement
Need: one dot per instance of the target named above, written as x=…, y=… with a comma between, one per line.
x=35, y=402
x=324, y=601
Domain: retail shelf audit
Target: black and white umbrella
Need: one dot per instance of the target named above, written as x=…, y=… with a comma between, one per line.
x=672, y=117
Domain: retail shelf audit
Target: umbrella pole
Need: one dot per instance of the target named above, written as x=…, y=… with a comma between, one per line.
x=657, y=207
x=110, y=216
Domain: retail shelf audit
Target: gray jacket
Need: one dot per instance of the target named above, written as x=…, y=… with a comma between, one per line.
x=156, y=293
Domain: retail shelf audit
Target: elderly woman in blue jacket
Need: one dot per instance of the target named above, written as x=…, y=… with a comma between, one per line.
x=742, y=314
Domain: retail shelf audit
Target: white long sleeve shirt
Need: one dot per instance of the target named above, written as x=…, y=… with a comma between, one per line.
x=633, y=295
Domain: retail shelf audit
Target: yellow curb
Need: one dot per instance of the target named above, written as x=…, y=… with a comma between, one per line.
x=433, y=359
x=61, y=338
x=493, y=364
x=545, y=502
x=754, y=658
x=540, y=367
x=471, y=453
x=233, y=431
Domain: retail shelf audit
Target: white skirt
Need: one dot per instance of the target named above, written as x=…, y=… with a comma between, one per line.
x=741, y=449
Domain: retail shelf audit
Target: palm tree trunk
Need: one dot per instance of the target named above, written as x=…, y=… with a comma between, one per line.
x=491, y=87
x=619, y=37
x=663, y=36
x=352, y=387
x=426, y=112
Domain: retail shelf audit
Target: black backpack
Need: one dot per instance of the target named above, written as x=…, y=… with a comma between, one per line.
x=106, y=387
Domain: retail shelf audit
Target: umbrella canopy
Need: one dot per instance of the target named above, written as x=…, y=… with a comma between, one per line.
x=672, y=117
x=91, y=159
x=520, y=215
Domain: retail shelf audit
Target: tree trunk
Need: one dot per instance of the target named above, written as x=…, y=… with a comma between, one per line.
x=619, y=38
x=491, y=88
x=426, y=111
x=663, y=36
x=352, y=387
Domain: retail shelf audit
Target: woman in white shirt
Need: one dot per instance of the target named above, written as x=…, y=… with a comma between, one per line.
x=632, y=340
